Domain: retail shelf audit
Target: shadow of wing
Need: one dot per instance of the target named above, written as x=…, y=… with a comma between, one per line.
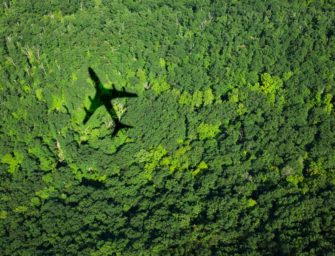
x=122, y=94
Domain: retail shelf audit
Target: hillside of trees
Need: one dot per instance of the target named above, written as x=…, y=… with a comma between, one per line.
x=232, y=150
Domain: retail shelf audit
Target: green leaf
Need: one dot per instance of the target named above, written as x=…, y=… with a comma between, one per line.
x=3, y=215
x=21, y=209
x=13, y=160
x=251, y=202
x=208, y=131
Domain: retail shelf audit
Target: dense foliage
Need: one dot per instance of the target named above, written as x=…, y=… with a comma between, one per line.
x=232, y=150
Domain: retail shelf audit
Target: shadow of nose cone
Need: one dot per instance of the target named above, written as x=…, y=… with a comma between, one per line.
x=93, y=76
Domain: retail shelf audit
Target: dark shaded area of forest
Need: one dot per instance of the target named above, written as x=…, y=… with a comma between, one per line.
x=232, y=150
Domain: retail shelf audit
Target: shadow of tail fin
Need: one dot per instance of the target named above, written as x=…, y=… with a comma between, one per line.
x=119, y=126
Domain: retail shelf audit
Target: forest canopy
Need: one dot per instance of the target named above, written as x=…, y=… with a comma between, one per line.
x=232, y=146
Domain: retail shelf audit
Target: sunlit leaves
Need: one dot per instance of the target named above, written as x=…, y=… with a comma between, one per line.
x=251, y=202
x=88, y=171
x=197, y=99
x=21, y=209
x=287, y=75
x=58, y=103
x=39, y=94
x=162, y=62
x=160, y=85
x=270, y=85
x=160, y=159
x=179, y=160
x=45, y=193
x=202, y=166
x=119, y=108
x=151, y=158
x=21, y=113
x=316, y=168
x=328, y=103
x=294, y=179
x=3, y=214
x=208, y=131
x=208, y=97
x=185, y=98
x=13, y=160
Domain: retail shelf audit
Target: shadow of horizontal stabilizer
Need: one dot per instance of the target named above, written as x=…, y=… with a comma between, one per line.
x=119, y=126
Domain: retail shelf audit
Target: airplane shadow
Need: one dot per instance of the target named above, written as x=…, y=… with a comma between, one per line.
x=103, y=97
